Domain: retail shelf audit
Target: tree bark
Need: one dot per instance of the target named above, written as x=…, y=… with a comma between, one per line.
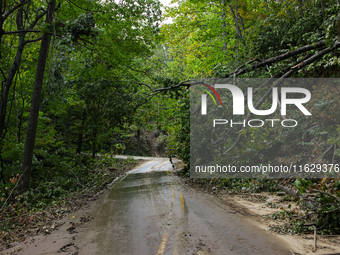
x=138, y=142
x=80, y=136
x=94, y=140
x=4, y=14
x=235, y=17
x=224, y=27
x=34, y=111
x=301, y=7
x=79, y=143
x=11, y=74
x=2, y=10
x=19, y=119
x=7, y=83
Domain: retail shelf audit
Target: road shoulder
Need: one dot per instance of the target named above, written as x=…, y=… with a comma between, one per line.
x=261, y=209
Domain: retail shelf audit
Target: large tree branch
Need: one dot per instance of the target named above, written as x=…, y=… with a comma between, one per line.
x=313, y=58
x=278, y=58
x=181, y=84
x=34, y=40
x=21, y=31
x=248, y=63
x=269, y=81
x=282, y=72
x=289, y=72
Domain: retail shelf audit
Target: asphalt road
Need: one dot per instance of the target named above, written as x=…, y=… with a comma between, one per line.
x=150, y=211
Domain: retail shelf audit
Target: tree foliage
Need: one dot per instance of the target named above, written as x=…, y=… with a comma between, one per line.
x=264, y=39
x=113, y=69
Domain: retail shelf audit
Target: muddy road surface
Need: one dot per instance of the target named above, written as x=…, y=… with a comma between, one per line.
x=150, y=211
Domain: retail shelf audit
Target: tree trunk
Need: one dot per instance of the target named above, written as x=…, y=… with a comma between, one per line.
x=323, y=10
x=11, y=74
x=34, y=111
x=94, y=143
x=79, y=143
x=301, y=7
x=138, y=142
x=224, y=26
x=2, y=8
x=19, y=120
x=80, y=135
x=239, y=32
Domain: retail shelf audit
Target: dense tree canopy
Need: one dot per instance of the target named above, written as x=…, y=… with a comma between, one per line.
x=95, y=75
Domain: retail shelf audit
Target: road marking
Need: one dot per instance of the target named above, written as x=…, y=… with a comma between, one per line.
x=181, y=198
x=163, y=243
x=173, y=193
x=161, y=248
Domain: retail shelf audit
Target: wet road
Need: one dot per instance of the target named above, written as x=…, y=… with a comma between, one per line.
x=149, y=211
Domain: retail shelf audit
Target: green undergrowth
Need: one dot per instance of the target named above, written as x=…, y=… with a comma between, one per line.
x=59, y=185
x=235, y=184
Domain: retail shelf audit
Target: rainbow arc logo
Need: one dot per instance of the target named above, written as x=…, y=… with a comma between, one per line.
x=209, y=93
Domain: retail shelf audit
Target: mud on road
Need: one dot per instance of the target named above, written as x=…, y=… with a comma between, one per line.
x=151, y=211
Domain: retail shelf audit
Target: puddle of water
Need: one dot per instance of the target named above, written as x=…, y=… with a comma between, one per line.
x=139, y=182
x=152, y=166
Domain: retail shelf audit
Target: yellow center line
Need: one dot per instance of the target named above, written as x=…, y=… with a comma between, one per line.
x=173, y=193
x=163, y=243
x=161, y=248
x=181, y=198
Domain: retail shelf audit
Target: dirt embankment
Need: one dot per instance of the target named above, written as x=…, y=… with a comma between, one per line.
x=269, y=211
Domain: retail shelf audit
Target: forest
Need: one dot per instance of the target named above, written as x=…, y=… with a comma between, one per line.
x=82, y=78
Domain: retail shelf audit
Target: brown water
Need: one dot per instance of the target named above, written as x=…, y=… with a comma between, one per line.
x=151, y=212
